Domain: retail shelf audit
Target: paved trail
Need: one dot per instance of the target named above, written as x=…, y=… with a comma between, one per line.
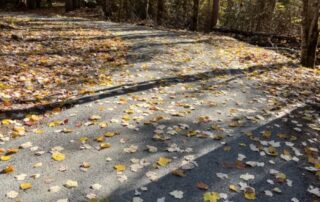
x=179, y=92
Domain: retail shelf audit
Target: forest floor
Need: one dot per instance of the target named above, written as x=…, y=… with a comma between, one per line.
x=99, y=111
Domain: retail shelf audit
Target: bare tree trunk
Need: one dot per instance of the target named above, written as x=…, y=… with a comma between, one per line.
x=69, y=5
x=49, y=2
x=310, y=32
x=147, y=9
x=194, y=25
x=2, y=3
x=185, y=10
x=38, y=3
x=106, y=6
x=265, y=11
x=76, y=4
x=31, y=4
x=126, y=9
x=120, y=10
x=160, y=7
x=215, y=13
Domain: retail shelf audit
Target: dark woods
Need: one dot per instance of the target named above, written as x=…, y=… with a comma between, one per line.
x=274, y=17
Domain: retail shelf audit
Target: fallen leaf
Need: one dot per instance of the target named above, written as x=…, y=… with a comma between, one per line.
x=179, y=173
x=71, y=184
x=37, y=165
x=25, y=186
x=211, y=197
x=96, y=186
x=222, y=175
x=131, y=149
x=100, y=139
x=95, y=118
x=110, y=134
x=163, y=161
x=57, y=156
x=177, y=194
x=105, y=145
x=202, y=186
x=5, y=158
x=12, y=194
x=247, y=177
x=280, y=177
x=8, y=169
x=54, y=189
x=234, y=187
x=21, y=177
x=152, y=176
x=6, y=122
x=120, y=167
x=152, y=149
x=250, y=193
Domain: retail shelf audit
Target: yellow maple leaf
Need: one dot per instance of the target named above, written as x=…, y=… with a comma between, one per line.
x=120, y=167
x=6, y=122
x=281, y=177
x=163, y=161
x=94, y=118
x=267, y=134
x=110, y=134
x=25, y=186
x=18, y=131
x=103, y=125
x=105, y=145
x=57, y=156
x=67, y=130
x=126, y=117
x=233, y=187
x=211, y=197
x=83, y=139
x=38, y=131
x=34, y=118
x=100, y=139
x=250, y=193
x=272, y=151
x=5, y=158
x=54, y=123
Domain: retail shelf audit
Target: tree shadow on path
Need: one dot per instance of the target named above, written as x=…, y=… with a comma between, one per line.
x=221, y=161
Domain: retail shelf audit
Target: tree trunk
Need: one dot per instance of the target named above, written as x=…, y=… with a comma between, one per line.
x=31, y=4
x=160, y=7
x=147, y=9
x=38, y=3
x=106, y=6
x=185, y=11
x=215, y=13
x=127, y=9
x=69, y=5
x=120, y=10
x=49, y=2
x=265, y=9
x=310, y=32
x=76, y=4
x=2, y=3
x=195, y=15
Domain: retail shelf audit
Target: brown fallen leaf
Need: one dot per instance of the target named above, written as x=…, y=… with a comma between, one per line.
x=202, y=186
x=179, y=172
x=8, y=169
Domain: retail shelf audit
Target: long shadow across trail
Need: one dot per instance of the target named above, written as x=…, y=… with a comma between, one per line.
x=136, y=87
x=220, y=161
